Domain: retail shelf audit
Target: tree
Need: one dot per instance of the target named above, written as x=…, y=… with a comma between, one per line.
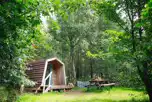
x=19, y=20
x=72, y=31
x=83, y=30
x=145, y=48
x=127, y=14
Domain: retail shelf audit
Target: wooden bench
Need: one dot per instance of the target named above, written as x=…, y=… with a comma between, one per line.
x=99, y=86
x=106, y=85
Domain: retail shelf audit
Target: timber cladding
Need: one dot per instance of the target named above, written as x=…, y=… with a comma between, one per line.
x=36, y=69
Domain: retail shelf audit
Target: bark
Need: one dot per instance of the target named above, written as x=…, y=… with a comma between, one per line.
x=91, y=68
x=72, y=63
x=139, y=16
x=78, y=64
x=148, y=85
x=133, y=35
x=130, y=13
x=145, y=76
x=74, y=72
x=78, y=68
x=77, y=71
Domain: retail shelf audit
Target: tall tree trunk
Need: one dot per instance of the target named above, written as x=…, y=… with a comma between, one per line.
x=148, y=83
x=133, y=35
x=78, y=72
x=146, y=78
x=74, y=71
x=91, y=68
x=73, y=63
x=78, y=64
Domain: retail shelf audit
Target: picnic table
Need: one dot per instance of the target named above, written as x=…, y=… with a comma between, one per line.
x=99, y=84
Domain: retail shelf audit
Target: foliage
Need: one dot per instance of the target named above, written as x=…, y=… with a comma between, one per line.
x=8, y=94
x=127, y=15
x=100, y=45
x=19, y=22
x=107, y=38
x=19, y=30
x=71, y=35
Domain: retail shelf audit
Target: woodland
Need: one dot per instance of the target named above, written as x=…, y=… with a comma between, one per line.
x=106, y=38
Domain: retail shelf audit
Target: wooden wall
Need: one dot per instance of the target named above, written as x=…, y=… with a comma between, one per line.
x=35, y=71
x=58, y=73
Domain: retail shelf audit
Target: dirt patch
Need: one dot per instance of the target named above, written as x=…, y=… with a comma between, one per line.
x=76, y=93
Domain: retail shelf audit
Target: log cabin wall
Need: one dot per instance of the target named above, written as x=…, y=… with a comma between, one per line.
x=35, y=71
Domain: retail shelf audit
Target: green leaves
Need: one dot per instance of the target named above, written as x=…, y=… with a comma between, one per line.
x=91, y=55
x=19, y=20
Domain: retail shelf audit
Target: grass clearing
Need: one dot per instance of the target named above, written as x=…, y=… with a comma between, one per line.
x=81, y=95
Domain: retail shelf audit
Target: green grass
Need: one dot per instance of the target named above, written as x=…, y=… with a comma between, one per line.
x=81, y=95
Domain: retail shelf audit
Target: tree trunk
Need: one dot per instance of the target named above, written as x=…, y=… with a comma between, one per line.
x=74, y=71
x=149, y=90
x=146, y=78
x=91, y=68
x=78, y=64
x=148, y=83
x=78, y=71
x=72, y=63
x=133, y=36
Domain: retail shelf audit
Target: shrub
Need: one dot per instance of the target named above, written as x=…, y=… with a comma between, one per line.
x=8, y=94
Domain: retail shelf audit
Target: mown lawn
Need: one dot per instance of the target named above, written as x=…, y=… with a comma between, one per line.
x=81, y=95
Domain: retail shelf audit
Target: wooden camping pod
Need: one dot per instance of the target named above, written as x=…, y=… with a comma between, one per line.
x=47, y=74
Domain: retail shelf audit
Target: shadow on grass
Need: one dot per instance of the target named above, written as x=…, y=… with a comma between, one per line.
x=108, y=100
x=118, y=90
x=95, y=90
